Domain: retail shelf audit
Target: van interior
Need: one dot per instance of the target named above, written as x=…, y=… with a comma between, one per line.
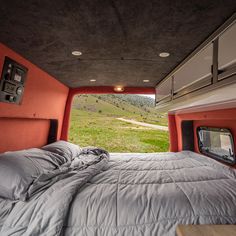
x=183, y=52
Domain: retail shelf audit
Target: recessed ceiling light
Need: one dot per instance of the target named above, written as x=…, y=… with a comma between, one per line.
x=164, y=54
x=119, y=89
x=76, y=53
x=146, y=80
x=92, y=80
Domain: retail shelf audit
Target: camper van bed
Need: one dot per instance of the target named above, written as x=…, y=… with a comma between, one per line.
x=128, y=194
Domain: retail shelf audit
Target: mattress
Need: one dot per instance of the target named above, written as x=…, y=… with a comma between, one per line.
x=134, y=194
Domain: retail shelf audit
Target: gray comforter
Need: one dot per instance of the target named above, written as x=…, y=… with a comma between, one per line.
x=131, y=194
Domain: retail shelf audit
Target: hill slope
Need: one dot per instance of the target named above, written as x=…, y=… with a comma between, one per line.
x=118, y=105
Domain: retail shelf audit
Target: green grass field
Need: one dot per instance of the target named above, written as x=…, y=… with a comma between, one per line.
x=91, y=128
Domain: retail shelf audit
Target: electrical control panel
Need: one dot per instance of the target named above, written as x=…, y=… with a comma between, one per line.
x=12, y=81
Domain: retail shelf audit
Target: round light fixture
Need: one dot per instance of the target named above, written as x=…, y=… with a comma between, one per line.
x=119, y=89
x=146, y=80
x=93, y=80
x=76, y=53
x=164, y=54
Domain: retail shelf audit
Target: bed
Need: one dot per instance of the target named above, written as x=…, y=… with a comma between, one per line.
x=128, y=194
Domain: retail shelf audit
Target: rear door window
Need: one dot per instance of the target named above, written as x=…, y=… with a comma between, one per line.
x=217, y=143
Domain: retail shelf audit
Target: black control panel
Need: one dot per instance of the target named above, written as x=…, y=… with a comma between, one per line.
x=12, y=81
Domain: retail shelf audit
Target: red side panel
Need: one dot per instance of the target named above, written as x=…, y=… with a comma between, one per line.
x=173, y=135
x=23, y=133
x=224, y=118
x=110, y=90
x=44, y=98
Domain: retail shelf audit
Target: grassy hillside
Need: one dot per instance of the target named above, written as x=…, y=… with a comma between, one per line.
x=136, y=107
x=94, y=123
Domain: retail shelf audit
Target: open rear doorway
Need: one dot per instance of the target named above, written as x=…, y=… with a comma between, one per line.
x=118, y=123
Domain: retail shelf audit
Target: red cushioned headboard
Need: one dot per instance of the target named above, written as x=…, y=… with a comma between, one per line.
x=28, y=133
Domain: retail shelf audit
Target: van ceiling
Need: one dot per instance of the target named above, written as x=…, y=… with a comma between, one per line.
x=120, y=39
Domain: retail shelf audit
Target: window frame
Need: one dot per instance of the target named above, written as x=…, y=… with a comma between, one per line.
x=214, y=155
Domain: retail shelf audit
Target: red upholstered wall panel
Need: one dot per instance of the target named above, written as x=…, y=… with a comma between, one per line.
x=44, y=98
x=23, y=133
x=173, y=135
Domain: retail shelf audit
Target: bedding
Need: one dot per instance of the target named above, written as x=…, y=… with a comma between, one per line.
x=20, y=170
x=128, y=194
x=64, y=149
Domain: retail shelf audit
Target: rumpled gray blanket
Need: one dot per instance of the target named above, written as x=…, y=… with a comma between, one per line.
x=130, y=195
x=46, y=212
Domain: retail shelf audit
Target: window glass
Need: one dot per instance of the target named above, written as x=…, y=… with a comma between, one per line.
x=216, y=143
x=227, y=48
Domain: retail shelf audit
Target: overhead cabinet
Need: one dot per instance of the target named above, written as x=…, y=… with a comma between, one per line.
x=206, y=68
x=195, y=74
x=227, y=53
x=163, y=91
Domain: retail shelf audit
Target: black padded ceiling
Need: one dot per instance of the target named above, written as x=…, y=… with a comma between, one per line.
x=120, y=39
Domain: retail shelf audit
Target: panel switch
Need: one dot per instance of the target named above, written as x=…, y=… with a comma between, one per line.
x=10, y=98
